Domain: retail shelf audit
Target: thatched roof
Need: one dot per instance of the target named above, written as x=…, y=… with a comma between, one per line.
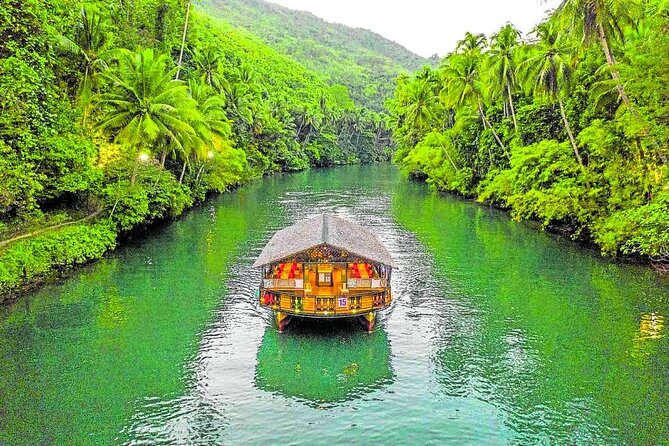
x=328, y=230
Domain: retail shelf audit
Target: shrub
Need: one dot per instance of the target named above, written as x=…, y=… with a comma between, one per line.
x=643, y=230
x=154, y=194
x=28, y=260
x=546, y=183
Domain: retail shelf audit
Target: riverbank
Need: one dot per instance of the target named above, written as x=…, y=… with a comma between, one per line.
x=566, y=232
x=26, y=262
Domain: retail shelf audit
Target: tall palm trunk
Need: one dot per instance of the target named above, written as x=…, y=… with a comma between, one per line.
x=513, y=110
x=183, y=41
x=299, y=130
x=482, y=116
x=183, y=171
x=448, y=155
x=615, y=74
x=84, y=95
x=485, y=126
x=569, y=132
x=497, y=138
x=611, y=61
x=199, y=174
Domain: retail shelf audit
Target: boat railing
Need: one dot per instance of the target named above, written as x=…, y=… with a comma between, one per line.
x=351, y=283
x=381, y=282
x=283, y=283
x=318, y=305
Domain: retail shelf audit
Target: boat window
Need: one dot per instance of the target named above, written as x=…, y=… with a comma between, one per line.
x=325, y=275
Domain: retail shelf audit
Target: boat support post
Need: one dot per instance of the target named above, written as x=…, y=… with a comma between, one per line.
x=368, y=320
x=282, y=320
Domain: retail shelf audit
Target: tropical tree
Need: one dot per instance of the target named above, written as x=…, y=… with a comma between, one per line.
x=502, y=59
x=212, y=109
x=89, y=43
x=547, y=71
x=213, y=130
x=207, y=65
x=471, y=43
x=307, y=120
x=360, y=126
x=379, y=128
x=418, y=107
x=240, y=104
x=463, y=86
x=602, y=20
x=144, y=107
x=248, y=76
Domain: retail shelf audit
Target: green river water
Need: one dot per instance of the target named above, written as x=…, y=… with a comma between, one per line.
x=500, y=334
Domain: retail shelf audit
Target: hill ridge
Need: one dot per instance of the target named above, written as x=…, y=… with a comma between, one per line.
x=363, y=60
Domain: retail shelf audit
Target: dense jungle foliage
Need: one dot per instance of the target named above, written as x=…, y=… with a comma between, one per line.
x=114, y=114
x=568, y=125
x=365, y=62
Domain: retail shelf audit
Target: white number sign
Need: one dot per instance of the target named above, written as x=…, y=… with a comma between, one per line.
x=343, y=302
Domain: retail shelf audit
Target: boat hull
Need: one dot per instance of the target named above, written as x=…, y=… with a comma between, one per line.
x=367, y=320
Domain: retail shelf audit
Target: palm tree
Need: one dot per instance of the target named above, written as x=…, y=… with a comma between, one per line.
x=302, y=118
x=145, y=107
x=207, y=65
x=247, y=75
x=547, y=71
x=352, y=124
x=503, y=64
x=418, y=106
x=471, y=43
x=601, y=20
x=359, y=124
x=240, y=103
x=90, y=39
x=214, y=127
x=212, y=109
x=463, y=86
x=379, y=128
x=312, y=123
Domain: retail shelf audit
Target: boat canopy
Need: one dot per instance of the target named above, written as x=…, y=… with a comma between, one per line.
x=324, y=230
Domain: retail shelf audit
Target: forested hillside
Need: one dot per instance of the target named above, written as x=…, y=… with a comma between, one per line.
x=568, y=125
x=109, y=121
x=364, y=61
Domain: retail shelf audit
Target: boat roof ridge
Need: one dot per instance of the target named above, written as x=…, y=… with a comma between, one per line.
x=325, y=231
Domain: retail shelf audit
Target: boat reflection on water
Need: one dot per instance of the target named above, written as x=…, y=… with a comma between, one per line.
x=323, y=362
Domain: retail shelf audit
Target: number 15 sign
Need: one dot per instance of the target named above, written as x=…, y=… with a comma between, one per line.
x=343, y=302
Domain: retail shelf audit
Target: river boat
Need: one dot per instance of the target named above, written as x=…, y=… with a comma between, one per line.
x=325, y=267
